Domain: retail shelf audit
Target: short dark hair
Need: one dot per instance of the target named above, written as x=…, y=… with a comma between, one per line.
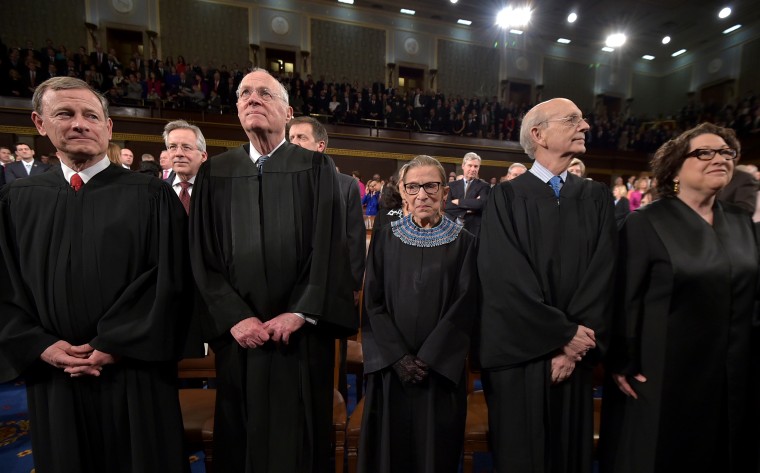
x=670, y=157
x=16, y=145
x=317, y=128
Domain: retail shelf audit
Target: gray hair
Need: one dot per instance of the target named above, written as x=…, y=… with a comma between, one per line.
x=470, y=157
x=420, y=161
x=517, y=165
x=283, y=90
x=535, y=117
x=200, y=141
x=65, y=83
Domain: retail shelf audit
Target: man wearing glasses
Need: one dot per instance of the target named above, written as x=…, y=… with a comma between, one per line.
x=545, y=320
x=267, y=235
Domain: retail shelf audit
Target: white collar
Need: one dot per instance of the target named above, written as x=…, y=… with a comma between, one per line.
x=88, y=173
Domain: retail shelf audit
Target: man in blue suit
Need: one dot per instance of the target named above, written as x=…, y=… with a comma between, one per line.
x=25, y=164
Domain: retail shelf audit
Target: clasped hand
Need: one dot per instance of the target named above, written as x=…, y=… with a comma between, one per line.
x=76, y=360
x=411, y=370
x=583, y=341
x=252, y=333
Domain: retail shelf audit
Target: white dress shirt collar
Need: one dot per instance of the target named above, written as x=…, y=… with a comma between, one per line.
x=88, y=173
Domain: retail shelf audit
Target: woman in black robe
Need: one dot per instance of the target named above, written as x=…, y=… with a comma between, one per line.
x=421, y=304
x=681, y=350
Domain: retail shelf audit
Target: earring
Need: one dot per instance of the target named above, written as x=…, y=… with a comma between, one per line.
x=675, y=185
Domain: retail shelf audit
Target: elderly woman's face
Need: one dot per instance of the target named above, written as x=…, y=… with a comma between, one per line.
x=426, y=206
x=710, y=176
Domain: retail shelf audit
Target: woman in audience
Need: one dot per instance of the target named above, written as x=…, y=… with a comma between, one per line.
x=420, y=295
x=634, y=196
x=371, y=200
x=680, y=353
x=114, y=153
x=362, y=188
x=392, y=207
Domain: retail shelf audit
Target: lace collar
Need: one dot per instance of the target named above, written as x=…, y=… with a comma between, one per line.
x=410, y=233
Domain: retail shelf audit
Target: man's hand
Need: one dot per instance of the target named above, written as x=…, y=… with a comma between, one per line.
x=583, y=341
x=250, y=333
x=58, y=355
x=96, y=361
x=455, y=201
x=562, y=368
x=623, y=384
x=283, y=326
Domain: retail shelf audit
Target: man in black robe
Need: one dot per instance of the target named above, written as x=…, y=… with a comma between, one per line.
x=546, y=262
x=270, y=258
x=93, y=279
x=308, y=133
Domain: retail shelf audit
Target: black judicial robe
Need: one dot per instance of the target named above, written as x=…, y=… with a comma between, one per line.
x=262, y=246
x=546, y=264
x=106, y=266
x=419, y=301
x=684, y=321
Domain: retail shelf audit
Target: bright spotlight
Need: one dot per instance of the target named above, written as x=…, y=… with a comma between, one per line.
x=666, y=40
x=615, y=40
x=724, y=13
x=572, y=17
x=513, y=17
x=454, y=1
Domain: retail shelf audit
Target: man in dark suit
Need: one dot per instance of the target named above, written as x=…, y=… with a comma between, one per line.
x=25, y=164
x=309, y=133
x=5, y=158
x=622, y=205
x=741, y=190
x=468, y=196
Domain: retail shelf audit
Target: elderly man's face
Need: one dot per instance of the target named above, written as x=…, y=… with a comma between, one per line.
x=302, y=134
x=185, y=155
x=515, y=171
x=74, y=121
x=576, y=169
x=165, y=160
x=261, y=109
x=559, y=135
x=471, y=169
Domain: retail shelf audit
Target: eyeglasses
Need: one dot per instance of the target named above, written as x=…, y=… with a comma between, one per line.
x=706, y=154
x=572, y=120
x=431, y=188
x=264, y=94
x=173, y=148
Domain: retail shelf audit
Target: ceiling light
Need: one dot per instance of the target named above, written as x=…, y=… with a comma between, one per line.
x=513, y=17
x=407, y=12
x=732, y=29
x=572, y=17
x=678, y=53
x=350, y=2
x=648, y=57
x=615, y=40
x=464, y=22
x=666, y=40
x=454, y=1
x=563, y=41
x=608, y=49
x=516, y=31
x=724, y=13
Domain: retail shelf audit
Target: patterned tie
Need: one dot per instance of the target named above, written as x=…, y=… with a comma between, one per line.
x=184, y=195
x=466, y=185
x=260, y=163
x=76, y=182
x=556, y=184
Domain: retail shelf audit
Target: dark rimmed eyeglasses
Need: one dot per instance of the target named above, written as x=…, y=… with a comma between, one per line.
x=707, y=154
x=431, y=188
x=572, y=120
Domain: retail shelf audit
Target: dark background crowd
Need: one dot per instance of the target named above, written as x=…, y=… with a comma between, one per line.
x=178, y=83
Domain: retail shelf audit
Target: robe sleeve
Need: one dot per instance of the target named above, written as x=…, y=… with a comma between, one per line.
x=151, y=318
x=382, y=341
x=517, y=325
x=634, y=274
x=445, y=349
x=357, y=235
x=206, y=255
x=324, y=288
x=22, y=338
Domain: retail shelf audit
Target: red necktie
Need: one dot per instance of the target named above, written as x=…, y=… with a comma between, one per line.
x=184, y=195
x=76, y=182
